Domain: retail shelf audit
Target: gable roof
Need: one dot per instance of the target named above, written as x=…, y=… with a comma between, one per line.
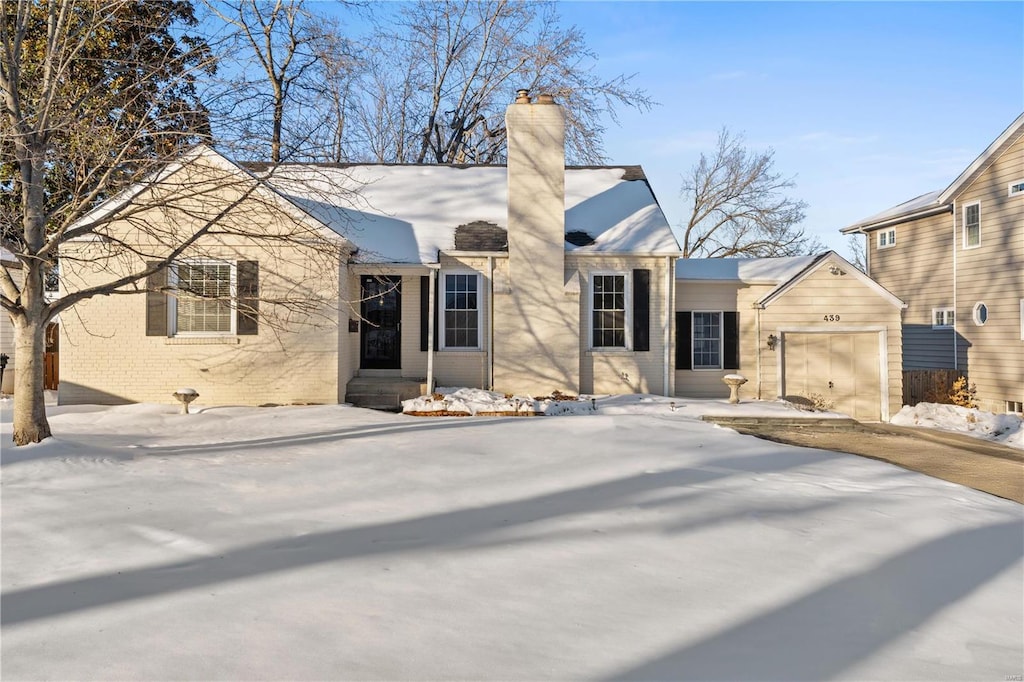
x=832, y=260
x=216, y=160
x=1012, y=133
x=785, y=273
x=409, y=213
x=941, y=201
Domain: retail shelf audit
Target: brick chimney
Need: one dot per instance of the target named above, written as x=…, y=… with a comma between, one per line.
x=537, y=325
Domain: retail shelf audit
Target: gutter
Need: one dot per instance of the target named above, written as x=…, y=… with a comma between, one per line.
x=890, y=222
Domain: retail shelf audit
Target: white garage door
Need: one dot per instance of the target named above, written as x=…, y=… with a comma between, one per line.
x=840, y=368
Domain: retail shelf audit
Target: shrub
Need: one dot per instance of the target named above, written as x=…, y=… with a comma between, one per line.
x=963, y=394
x=820, y=403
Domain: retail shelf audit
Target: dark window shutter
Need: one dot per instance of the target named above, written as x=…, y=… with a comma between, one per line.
x=248, y=302
x=156, y=302
x=641, y=310
x=731, y=340
x=684, y=340
x=424, y=312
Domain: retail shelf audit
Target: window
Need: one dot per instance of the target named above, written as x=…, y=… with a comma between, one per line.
x=608, y=314
x=980, y=314
x=886, y=238
x=972, y=225
x=942, y=318
x=204, y=300
x=461, y=320
x=707, y=340
x=1015, y=188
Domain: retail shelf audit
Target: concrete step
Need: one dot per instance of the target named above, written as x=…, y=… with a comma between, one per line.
x=819, y=423
x=383, y=393
x=375, y=401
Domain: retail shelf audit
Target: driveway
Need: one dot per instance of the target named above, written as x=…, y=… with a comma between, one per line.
x=982, y=465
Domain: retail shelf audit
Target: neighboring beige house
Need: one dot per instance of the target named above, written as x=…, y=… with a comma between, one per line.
x=956, y=256
x=810, y=329
x=527, y=279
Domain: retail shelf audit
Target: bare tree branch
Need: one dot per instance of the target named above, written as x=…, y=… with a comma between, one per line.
x=739, y=206
x=438, y=79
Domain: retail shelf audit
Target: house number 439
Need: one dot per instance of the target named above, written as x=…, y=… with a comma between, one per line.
x=831, y=318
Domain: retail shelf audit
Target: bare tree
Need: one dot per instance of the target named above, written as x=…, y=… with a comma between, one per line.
x=858, y=257
x=439, y=78
x=739, y=206
x=98, y=108
x=289, y=62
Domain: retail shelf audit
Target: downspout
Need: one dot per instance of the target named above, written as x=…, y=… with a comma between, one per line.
x=430, y=330
x=490, y=323
x=670, y=285
x=757, y=345
x=956, y=316
x=867, y=252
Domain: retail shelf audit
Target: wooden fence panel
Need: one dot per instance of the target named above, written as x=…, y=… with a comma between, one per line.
x=928, y=385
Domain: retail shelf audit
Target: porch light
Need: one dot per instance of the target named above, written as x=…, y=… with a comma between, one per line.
x=772, y=341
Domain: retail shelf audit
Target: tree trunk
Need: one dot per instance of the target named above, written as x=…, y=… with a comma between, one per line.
x=30, y=424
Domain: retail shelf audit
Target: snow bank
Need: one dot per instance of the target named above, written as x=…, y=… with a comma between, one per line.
x=454, y=401
x=460, y=401
x=1000, y=428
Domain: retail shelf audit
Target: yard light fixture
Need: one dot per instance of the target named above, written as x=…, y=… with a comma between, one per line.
x=772, y=341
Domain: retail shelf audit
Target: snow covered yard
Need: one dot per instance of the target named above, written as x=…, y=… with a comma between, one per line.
x=337, y=543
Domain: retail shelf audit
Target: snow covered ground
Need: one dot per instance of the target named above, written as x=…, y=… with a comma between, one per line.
x=635, y=543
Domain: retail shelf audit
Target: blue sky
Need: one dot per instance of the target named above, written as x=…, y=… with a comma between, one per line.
x=867, y=104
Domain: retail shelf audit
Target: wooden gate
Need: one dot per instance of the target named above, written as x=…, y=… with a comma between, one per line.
x=51, y=358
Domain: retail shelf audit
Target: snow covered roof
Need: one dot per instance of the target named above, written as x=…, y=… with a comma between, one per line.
x=918, y=207
x=407, y=213
x=747, y=270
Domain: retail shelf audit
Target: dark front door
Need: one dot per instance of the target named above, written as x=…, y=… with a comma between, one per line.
x=381, y=327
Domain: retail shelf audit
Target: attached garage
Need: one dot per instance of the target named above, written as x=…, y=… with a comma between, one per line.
x=838, y=370
x=811, y=329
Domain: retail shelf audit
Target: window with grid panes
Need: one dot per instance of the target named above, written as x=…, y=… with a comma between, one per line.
x=609, y=311
x=972, y=225
x=707, y=340
x=461, y=311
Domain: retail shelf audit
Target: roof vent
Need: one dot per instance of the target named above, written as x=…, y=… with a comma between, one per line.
x=579, y=238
